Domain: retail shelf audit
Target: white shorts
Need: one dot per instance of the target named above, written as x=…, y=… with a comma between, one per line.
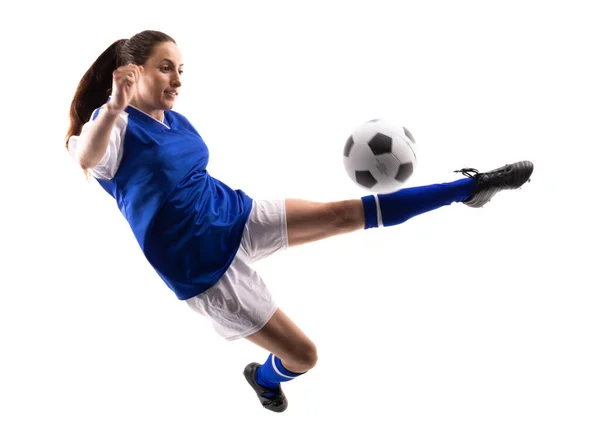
x=240, y=304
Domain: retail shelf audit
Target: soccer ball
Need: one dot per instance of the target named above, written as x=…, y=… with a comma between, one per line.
x=380, y=156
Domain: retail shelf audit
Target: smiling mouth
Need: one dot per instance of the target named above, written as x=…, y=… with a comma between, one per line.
x=172, y=94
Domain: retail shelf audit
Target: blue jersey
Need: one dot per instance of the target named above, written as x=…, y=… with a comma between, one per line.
x=188, y=224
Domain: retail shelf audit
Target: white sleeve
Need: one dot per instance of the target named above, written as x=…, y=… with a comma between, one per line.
x=108, y=165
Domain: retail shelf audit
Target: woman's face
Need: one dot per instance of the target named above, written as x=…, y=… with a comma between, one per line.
x=160, y=81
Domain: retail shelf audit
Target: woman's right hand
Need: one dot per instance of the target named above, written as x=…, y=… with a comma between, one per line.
x=124, y=85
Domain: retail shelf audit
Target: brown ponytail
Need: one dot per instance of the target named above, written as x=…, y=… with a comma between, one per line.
x=93, y=89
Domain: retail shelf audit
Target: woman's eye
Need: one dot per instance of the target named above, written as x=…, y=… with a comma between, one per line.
x=168, y=68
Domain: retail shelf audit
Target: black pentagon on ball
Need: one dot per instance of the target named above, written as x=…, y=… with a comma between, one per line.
x=404, y=172
x=380, y=144
x=348, y=146
x=364, y=178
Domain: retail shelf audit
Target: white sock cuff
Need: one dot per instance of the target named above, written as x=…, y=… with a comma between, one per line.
x=379, y=222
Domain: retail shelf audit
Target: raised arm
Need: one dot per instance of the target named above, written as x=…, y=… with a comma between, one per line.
x=94, y=142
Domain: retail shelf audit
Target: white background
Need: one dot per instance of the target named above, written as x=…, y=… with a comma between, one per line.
x=460, y=327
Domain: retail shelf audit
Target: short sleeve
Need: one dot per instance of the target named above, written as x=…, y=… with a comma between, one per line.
x=107, y=168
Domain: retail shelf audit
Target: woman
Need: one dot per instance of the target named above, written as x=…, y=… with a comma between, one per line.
x=202, y=236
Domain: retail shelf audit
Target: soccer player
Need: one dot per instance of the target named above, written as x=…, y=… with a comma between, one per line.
x=200, y=235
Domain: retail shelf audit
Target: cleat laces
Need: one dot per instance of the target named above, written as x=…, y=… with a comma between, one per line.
x=468, y=172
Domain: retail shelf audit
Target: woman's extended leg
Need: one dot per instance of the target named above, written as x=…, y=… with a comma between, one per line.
x=309, y=221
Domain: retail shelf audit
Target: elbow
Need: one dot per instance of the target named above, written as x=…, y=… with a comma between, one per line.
x=85, y=163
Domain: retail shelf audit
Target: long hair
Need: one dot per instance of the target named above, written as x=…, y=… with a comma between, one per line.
x=95, y=86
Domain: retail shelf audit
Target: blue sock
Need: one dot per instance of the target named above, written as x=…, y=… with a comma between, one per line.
x=272, y=372
x=397, y=207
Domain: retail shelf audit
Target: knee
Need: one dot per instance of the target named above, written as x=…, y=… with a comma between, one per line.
x=346, y=215
x=303, y=358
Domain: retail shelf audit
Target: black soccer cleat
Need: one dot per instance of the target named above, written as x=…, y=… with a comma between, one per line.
x=511, y=176
x=272, y=399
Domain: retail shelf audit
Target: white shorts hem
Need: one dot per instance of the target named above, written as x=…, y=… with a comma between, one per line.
x=254, y=329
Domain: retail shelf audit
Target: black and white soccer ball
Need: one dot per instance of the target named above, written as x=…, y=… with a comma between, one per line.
x=379, y=156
